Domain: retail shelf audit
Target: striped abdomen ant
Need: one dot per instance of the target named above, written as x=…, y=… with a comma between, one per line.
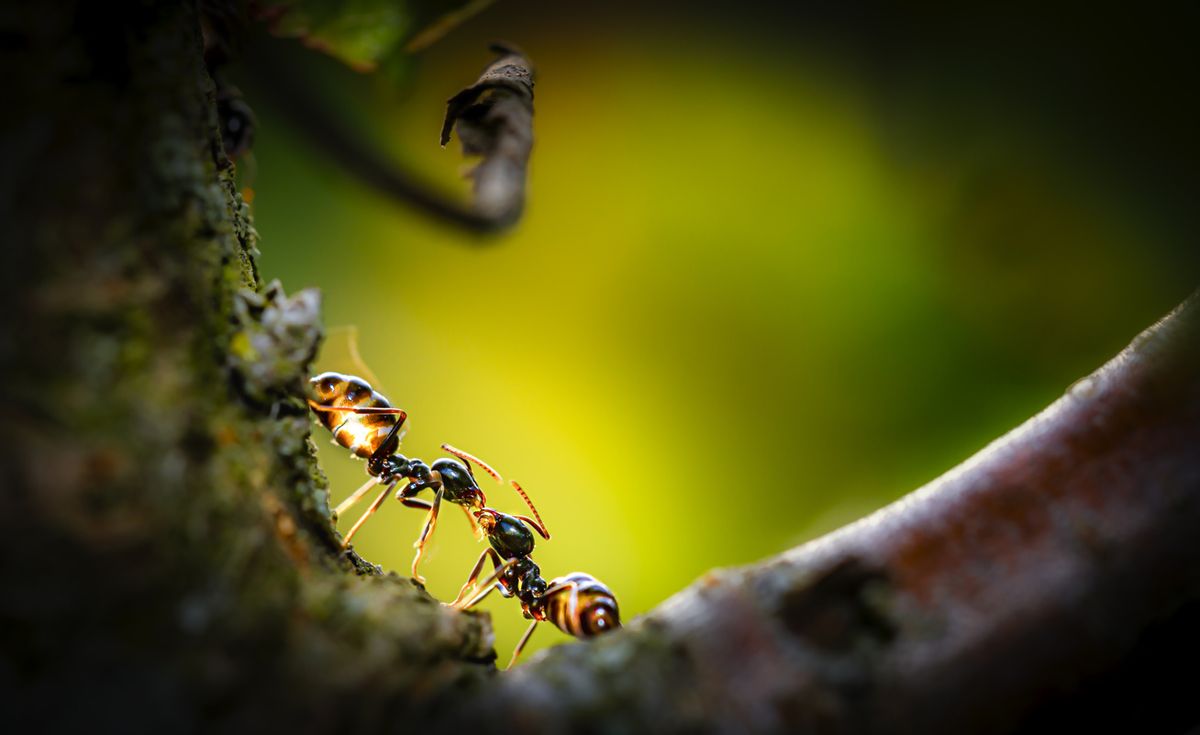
x=578, y=604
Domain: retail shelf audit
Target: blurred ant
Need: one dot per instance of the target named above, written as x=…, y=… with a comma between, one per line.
x=363, y=421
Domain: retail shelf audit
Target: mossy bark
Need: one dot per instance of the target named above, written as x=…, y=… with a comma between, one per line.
x=169, y=563
x=169, y=560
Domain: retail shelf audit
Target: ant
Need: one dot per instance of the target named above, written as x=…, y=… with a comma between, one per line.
x=363, y=421
x=578, y=604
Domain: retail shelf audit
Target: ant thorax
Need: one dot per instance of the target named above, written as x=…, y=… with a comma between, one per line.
x=524, y=579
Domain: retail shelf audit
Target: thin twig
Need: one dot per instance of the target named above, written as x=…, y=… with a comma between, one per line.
x=495, y=115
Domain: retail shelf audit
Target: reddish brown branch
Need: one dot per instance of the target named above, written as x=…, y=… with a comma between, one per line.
x=971, y=605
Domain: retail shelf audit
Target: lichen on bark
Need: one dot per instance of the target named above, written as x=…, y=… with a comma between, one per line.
x=166, y=527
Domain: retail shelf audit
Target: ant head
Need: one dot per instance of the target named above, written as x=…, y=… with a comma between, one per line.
x=487, y=519
x=458, y=484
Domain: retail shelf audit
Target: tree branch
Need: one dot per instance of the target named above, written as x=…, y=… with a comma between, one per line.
x=168, y=558
x=169, y=561
x=495, y=121
x=964, y=607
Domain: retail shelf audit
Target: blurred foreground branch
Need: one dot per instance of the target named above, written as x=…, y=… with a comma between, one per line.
x=169, y=562
x=494, y=119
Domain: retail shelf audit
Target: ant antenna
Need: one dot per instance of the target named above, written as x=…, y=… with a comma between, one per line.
x=529, y=502
x=472, y=458
x=356, y=359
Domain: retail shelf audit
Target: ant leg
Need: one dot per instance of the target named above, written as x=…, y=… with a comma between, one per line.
x=568, y=611
x=486, y=587
x=521, y=644
x=430, y=523
x=374, y=507
x=474, y=575
x=415, y=503
x=356, y=496
x=370, y=410
x=407, y=496
x=472, y=458
x=488, y=552
x=349, y=412
x=475, y=529
x=355, y=357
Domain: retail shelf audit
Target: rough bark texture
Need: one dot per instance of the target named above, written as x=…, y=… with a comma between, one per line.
x=975, y=604
x=168, y=561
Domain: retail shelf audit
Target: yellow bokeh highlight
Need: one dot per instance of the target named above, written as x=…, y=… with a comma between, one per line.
x=739, y=311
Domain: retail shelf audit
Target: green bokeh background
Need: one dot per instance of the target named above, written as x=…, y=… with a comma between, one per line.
x=756, y=293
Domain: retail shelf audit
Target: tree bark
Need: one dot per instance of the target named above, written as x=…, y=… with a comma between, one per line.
x=169, y=561
x=168, y=557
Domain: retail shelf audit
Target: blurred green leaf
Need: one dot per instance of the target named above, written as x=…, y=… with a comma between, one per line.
x=368, y=34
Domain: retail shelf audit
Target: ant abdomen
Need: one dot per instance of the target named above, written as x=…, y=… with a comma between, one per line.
x=361, y=433
x=580, y=605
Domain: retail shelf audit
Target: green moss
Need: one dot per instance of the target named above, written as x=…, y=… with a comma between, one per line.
x=164, y=441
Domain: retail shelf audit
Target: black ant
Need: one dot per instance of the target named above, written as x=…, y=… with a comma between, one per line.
x=363, y=421
x=578, y=604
